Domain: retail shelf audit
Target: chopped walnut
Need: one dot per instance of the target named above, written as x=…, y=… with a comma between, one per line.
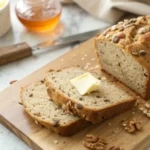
x=143, y=30
x=91, y=138
x=115, y=39
x=89, y=145
x=147, y=105
x=94, y=142
x=135, y=53
x=132, y=126
x=146, y=109
x=120, y=35
x=142, y=52
x=31, y=95
x=114, y=27
x=106, y=31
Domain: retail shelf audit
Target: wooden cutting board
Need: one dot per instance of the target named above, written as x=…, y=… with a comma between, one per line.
x=12, y=114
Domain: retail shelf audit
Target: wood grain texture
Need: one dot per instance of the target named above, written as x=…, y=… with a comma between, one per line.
x=13, y=116
x=14, y=52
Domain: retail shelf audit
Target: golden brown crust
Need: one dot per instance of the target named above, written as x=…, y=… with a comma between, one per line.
x=65, y=130
x=93, y=115
x=132, y=36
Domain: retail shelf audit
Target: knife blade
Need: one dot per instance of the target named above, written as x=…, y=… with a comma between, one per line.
x=22, y=50
x=144, y=144
x=61, y=42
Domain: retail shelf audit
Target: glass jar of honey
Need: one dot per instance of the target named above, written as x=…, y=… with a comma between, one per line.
x=39, y=15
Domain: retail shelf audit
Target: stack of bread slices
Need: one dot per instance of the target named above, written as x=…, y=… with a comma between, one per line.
x=124, y=52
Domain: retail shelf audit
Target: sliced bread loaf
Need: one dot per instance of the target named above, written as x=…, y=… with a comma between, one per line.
x=39, y=106
x=96, y=106
x=124, y=52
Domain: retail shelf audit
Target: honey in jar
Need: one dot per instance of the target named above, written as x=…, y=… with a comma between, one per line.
x=39, y=15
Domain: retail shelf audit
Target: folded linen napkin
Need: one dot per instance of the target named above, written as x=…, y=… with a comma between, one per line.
x=113, y=10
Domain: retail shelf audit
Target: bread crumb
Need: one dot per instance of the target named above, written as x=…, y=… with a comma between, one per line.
x=56, y=141
x=91, y=68
x=87, y=65
x=133, y=113
x=97, y=66
x=82, y=58
x=115, y=131
x=74, y=55
x=124, y=124
x=62, y=60
x=93, y=59
x=85, y=55
x=109, y=123
x=20, y=103
x=103, y=78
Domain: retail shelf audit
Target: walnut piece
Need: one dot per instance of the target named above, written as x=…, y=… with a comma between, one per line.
x=94, y=142
x=91, y=138
x=89, y=145
x=142, y=52
x=135, y=53
x=132, y=126
x=115, y=39
x=146, y=109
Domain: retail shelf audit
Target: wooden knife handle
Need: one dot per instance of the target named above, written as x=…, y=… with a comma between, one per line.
x=14, y=52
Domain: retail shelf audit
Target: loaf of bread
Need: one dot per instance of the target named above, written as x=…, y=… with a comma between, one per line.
x=124, y=52
x=39, y=106
x=96, y=106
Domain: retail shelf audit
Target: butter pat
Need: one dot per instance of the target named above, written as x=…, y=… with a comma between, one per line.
x=86, y=83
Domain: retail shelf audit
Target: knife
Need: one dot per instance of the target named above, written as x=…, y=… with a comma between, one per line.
x=19, y=51
x=144, y=144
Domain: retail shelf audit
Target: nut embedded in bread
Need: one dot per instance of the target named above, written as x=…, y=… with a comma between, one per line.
x=39, y=106
x=95, y=106
x=124, y=52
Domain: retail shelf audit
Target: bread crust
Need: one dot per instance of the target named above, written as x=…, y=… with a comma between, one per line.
x=64, y=130
x=93, y=115
x=134, y=40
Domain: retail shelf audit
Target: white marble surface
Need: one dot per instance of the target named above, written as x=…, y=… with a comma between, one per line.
x=75, y=20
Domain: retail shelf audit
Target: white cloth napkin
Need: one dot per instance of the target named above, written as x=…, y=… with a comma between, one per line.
x=113, y=10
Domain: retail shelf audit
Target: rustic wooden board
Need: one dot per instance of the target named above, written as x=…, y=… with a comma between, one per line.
x=12, y=114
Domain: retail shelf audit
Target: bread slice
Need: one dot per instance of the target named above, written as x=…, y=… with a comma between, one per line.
x=124, y=52
x=96, y=106
x=39, y=106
